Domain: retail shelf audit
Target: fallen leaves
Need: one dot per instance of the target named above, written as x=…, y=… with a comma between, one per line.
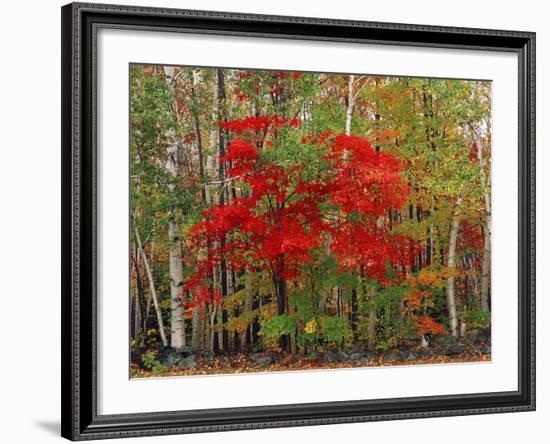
x=237, y=364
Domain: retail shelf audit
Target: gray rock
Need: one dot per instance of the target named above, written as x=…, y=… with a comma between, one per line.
x=425, y=353
x=486, y=350
x=443, y=340
x=188, y=362
x=185, y=351
x=336, y=356
x=262, y=359
x=362, y=361
x=484, y=335
x=453, y=350
x=410, y=356
x=208, y=355
x=391, y=356
x=136, y=356
x=342, y=356
x=169, y=358
x=356, y=356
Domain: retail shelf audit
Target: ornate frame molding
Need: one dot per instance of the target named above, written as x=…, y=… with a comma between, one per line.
x=79, y=393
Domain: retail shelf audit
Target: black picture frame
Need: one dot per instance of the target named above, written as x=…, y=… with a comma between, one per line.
x=80, y=420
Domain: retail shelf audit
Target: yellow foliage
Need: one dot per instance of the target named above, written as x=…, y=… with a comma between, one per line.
x=268, y=311
x=240, y=324
x=311, y=326
x=433, y=279
x=447, y=272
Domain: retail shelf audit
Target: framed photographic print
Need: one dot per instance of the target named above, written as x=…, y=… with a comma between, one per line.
x=278, y=221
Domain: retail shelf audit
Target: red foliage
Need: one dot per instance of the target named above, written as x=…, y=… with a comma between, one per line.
x=204, y=295
x=279, y=239
x=317, y=138
x=287, y=75
x=366, y=181
x=285, y=218
x=472, y=237
x=245, y=75
x=241, y=96
x=241, y=156
x=358, y=245
x=473, y=151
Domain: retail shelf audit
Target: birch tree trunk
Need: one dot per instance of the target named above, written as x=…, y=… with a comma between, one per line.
x=451, y=265
x=151, y=288
x=351, y=104
x=486, y=264
x=149, y=299
x=177, y=337
x=214, y=308
x=138, y=315
x=196, y=337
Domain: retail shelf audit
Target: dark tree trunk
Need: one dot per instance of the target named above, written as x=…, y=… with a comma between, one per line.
x=255, y=326
x=221, y=176
x=215, y=338
x=236, y=313
x=280, y=289
x=223, y=281
x=140, y=321
x=353, y=314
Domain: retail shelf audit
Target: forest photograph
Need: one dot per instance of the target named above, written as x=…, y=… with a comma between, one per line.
x=285, y=221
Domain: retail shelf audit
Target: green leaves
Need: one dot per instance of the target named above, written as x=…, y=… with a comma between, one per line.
x=334, y=329
x=476, y=318
x=150, y=362
x=272, y=329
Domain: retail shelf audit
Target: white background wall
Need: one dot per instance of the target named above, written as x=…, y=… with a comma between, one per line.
x=30, y=220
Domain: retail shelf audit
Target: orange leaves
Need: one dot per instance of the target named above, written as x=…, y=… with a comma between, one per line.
x=418, y=299
x=428, y=278
x=434, y=279
x=384, y=135
x=426, y=325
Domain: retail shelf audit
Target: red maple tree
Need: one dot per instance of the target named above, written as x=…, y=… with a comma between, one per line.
x=283, y=218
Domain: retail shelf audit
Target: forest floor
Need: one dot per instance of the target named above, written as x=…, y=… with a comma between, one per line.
x=204, y=364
